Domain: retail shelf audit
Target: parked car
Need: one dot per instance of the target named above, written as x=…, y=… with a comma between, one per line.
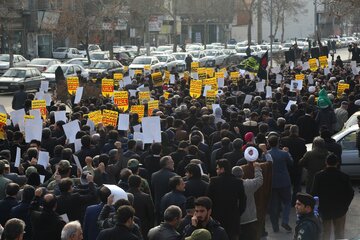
x=171, y=62
x=13, y=77
x=68, y=69
x=19, y=61
x=80, y=61
x=105, y=55
x=350, y=154
x=65, y=53
x=352, y=120
x=196, y=55
x=43, y=63
x=212, y=58
x=92, y=48
x=141, y=61
x=103, y=68
x=125, y=57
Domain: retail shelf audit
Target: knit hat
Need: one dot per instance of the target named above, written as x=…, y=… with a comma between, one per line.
x=200, y=234
x=249, y=136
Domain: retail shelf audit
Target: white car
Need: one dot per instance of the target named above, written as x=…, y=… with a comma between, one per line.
x=194, y=47
x=242, y=51
x=69, y=70
x=350, y=162
x=18, y=61
x=212, y=58
x=65, y=53
x=141, y=61
x=43, y=63
x=103, y=55
x=91, y=48
x=196, y=55
x=171, y=62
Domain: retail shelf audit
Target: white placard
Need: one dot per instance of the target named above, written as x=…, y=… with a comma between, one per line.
x=17, y=158
x=291, y=102
x=248, y=99
x=215, y=106
x=131, y=73
x=127, y=80
x=91, y=124
x=36, y=113
x=291, y=65
x=268, y=92
x=33, y=129
x=77, y=144
x=326, y=71
x=279, y=78
x=330, y=64
x=260, y=86
x=306, y=66
x=206, y=88
x=77, y=162
x=43, y=158
x=60, y=116
x=133, y=92
x=71, y=130
x=195, y=75
x=310, y=79
x=2, y=109
x=17, y=116
x=40, y=96
x=275, y=70
x=353, y=64
x=47, y=97
x=242, y=72
x=172, y=79
x=42, y=178
x=79, y=93
x=137, y=128
x=151, y=129
x=64, y=217
x=296, y=85
x=220, y=82
x=123, y=123
x=118, y=192
x=44, y=86
x=138, y=136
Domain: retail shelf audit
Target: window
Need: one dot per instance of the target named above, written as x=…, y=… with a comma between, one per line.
x=28, y=73
x=349, y=142
x=71, y=70
x=35, y=72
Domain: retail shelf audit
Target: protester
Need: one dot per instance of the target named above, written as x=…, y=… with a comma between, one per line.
x=167, y=229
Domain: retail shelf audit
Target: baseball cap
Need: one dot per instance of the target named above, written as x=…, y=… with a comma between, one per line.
x=133, y=163
x=64, y=165
x=200, y=234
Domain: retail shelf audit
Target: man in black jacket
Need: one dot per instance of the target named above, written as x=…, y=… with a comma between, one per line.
x=125, y=221
x=202, y=219
x=335, y=193
x=19, y=98
x=167, y=229
x=228, y=195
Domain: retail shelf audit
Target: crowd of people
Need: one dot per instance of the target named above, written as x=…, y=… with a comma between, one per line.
x=216, y=173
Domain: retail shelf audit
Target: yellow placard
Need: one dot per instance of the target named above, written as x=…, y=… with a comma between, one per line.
x=167, y=77
x=139, y=109
x=194, y=66
x=210, y=97
x=210, y=72
x=126, y=68
x=313, y=64
x=96, y=116
x=212, y=82
x=219, y=75
x=29, y=117
x=41, y=105
x=195, y=88
x=323, y=61
x=202, y=73
x=147, y=68
x=341, y=88
x=166, y=95
x=144, y=96
x=3, y=118
x=121, y=99
x=72, y=84
x=136, y=72
x=118, y=76
x=300, y=77
x=107, y=87
x=152, y=105
x=110, y=117
x=186, y=77
x=157, y=79
x=235, y=76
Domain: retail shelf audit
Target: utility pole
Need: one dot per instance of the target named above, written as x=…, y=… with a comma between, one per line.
x=315, y=20
x=271, y=33
x=259, y=21
x=174, y=12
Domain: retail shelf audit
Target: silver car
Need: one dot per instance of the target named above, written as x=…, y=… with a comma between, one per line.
x=350, y=154
x=18, y=61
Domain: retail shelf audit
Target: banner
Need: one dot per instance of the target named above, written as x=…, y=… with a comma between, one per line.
x=212, y=82
x=41, y=105
x=110, y=117
x=210, y=98
x=195, y=88
x=107, y=87
x=121, y=99
x=96, y=116
x=117, y=78
x=144, y=96
x=313, y=64
x=341, y=88
x=323, y=62
x=72, y=84
x=139, y=109
x=157, y=79
x=194, y=66
x=251, y=64
x=152, y=105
